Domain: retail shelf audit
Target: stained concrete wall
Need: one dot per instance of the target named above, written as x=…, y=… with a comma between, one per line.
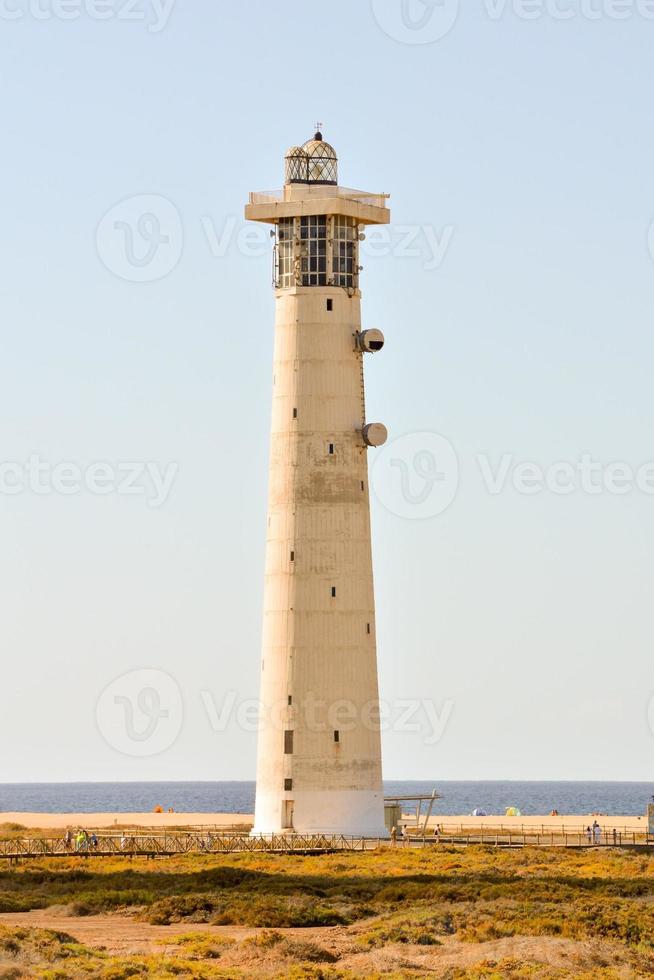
x=319, y=649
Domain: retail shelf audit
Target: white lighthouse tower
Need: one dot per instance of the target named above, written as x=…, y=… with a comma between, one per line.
x=319, y=753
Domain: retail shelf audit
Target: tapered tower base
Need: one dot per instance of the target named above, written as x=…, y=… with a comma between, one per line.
x=356, y=813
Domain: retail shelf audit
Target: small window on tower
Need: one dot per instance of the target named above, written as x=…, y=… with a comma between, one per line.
x=363, y=486
x=292, y=556
x=333, y=591
x=290, y=699
x=288, y=785
x=288, y=743
x=337, y=736
x=368, y=628
x=295, y=413
x=331, y=448
x=330, y=305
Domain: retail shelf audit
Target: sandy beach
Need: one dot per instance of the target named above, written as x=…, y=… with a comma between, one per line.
x=572, y=823
x=56, y=821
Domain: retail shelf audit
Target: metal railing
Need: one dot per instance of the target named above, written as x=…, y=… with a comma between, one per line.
x=345, y=193
x=527, y=828
x=152, y=845
x=533, y=838
x=169, y=843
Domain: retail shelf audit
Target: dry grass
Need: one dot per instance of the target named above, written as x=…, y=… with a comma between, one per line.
x=447, y=912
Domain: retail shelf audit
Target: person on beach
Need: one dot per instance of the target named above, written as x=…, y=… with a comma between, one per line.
x=68, y=839
x=589, y=834
x=615, y=836
x=597, y=832
x=393, y=836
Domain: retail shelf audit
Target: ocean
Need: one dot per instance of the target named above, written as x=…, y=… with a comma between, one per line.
x=623, y=799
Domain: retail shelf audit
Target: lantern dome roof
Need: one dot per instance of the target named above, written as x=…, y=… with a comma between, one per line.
x=315, y=162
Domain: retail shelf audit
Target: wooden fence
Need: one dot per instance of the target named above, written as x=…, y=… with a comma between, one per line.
x=167, y=844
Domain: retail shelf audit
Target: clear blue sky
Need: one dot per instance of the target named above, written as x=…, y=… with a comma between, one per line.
x=529, y=144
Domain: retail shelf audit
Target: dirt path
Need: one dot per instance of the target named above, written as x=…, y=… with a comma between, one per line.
x=118, y=934
x=123, y=935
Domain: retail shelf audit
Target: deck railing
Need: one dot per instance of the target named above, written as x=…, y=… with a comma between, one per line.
x=528, y=828
x=169, y=843
x=346, y=193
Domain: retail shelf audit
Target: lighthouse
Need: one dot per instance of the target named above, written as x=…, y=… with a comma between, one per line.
x=319, y=747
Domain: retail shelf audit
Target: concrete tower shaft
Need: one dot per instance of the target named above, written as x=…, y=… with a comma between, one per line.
x=319, y=752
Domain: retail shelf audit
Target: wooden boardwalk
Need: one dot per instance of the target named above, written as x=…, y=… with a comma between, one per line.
x=534, y=839
x=167, y=844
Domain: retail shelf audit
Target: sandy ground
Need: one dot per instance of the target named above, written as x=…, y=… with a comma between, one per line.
x=120, y=935
x=572, y=823
x=60, y=821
